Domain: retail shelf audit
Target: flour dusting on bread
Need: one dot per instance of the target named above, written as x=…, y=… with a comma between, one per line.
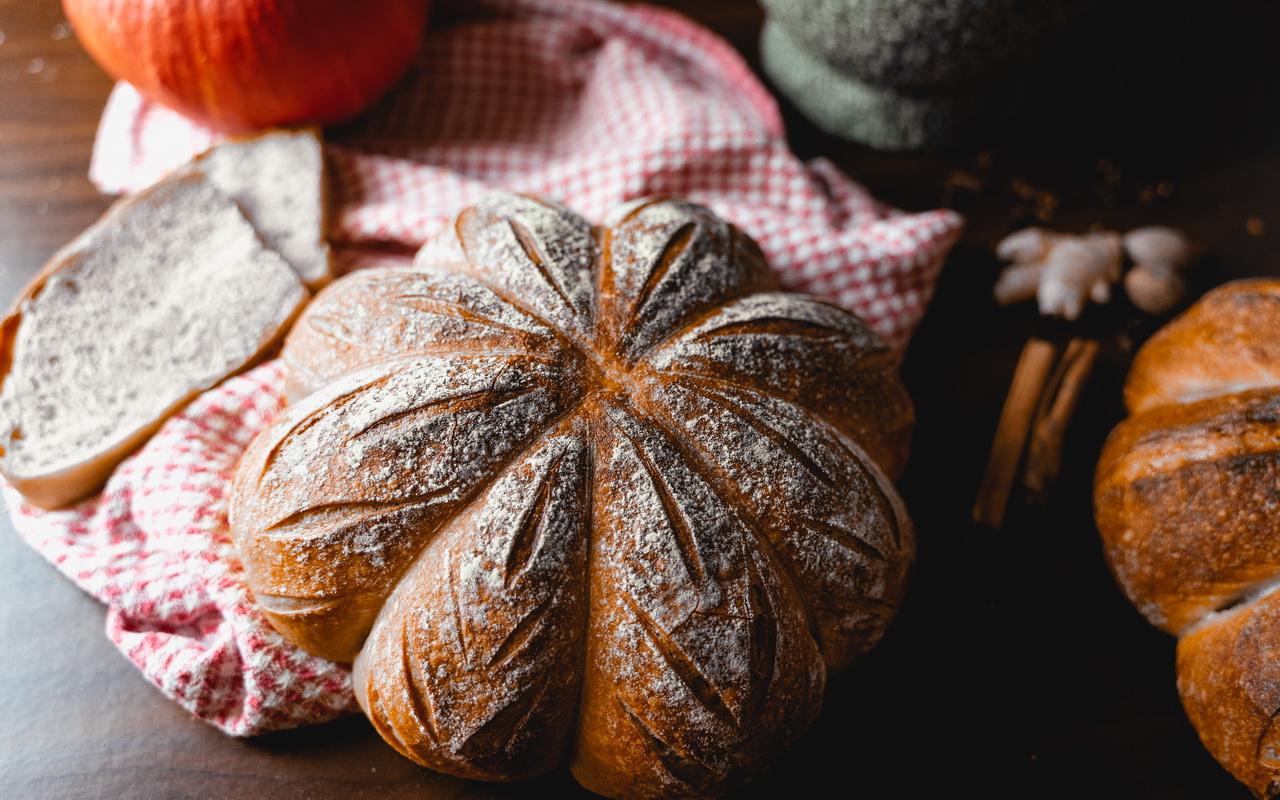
x=645, y=531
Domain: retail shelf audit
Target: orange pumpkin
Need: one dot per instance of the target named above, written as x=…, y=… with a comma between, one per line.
x=244, y=64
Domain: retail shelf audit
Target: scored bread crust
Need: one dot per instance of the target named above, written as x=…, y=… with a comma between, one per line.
x=47, y=367
x=602, y=496
x=1229, y=681
x=1187, y=499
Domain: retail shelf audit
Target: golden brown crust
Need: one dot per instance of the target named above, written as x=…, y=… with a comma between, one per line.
x=821, y=505
x=1229, y=681
x=374, y=315
x=1188, y=505
x=806, y=352
x=338, y=497
x=1225, y=343
x=666, y=264
x=679, y=700
x=588, y=495
x=484, y=685
x=1186, y=500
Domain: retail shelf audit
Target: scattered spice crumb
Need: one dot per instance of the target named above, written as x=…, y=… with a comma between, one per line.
x=1255, y=226
x=1046, y=203
x=35, y=66
x=60, y=31
x=960, y=179
x=960, y=187
x=1, y=37
x=1149, y=194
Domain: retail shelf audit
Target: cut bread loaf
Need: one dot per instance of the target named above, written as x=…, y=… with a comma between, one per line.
x=278, y=180
x=164, y=297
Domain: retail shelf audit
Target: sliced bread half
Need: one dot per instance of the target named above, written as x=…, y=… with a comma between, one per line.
x=164, y=297
x=278, y=179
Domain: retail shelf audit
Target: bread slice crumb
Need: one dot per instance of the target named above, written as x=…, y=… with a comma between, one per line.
x=278, y=179
x=167, y=295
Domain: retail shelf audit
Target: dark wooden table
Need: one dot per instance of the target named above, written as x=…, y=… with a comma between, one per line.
x=1015, y=669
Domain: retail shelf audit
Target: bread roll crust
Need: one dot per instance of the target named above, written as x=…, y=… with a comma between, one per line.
x=1225, y=343
x=1187, y=499
x=584, y=495
x=1229, y=682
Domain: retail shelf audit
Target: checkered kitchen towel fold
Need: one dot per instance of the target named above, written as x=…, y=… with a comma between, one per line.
x=582, y=101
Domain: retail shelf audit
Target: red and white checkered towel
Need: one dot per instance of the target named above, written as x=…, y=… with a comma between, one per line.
x=585, y=102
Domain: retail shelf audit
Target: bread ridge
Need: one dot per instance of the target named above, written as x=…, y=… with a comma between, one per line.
x=609, y=587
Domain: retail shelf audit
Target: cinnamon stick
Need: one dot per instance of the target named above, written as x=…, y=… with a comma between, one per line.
x=1029, y=378
x=1057, y=405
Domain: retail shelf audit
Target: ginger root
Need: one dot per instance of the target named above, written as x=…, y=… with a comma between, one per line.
x=1063, y=272
x=1018, y=282
x=1159, y=255
x=1076, y=269
x=1154, y=288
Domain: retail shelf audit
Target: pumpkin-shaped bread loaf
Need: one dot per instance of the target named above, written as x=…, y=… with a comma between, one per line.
x=601, y=496
x=1187, y=498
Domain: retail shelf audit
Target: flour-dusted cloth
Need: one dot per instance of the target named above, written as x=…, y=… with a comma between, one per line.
x=581, y=101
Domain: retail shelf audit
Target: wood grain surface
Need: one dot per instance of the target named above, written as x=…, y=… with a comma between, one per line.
x=1016, y=668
